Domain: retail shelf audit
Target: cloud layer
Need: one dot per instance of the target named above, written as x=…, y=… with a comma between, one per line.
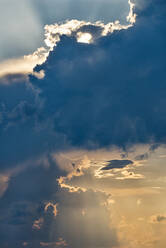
x=108, y=93
x=111, y=92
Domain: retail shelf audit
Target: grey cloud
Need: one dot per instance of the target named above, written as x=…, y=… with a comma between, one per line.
x=82, y=219
x=23, y=203
x=37, y=13
x=92, y=95
x=159, y=218
x=142, y=156
x=97, y=94
x=119, y=164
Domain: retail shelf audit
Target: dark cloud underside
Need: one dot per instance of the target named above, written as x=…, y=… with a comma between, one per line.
x=108, y=93
x=117, y=164
x=112, y=92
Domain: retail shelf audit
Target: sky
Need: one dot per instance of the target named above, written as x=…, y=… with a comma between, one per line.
x=82, y=124
x=25, y=33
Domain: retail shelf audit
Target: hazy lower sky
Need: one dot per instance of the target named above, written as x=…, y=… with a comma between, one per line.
x=135, y=191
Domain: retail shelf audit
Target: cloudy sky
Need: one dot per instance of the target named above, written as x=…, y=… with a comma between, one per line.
x=82, y=124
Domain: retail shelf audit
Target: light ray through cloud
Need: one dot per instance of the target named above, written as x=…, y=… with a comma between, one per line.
x=20, y=29
x=94, y=10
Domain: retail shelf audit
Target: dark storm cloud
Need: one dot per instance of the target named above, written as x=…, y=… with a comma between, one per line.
x=23, y=203
x=24, y=134
x=81, y=219
x=108, y=93
x=119, y=164
x=112, y=92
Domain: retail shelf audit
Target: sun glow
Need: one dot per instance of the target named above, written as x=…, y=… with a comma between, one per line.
x=53, y=33
x=84, y=37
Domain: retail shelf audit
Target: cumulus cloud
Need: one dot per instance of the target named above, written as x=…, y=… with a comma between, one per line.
x=104, y=85
x=37, y=225
x=75, y=28
x=125, y=175
x=3, y=183
x=91, y=95
x=10, y=68
x=51, y=207
x=60, y=243
x=29, y=213
x=84, y=31
x=107, y=92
